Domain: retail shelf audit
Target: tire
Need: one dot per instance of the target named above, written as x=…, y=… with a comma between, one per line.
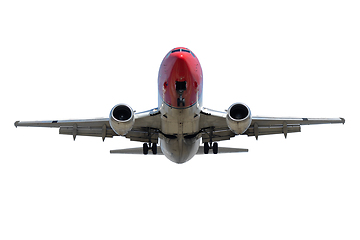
x=145, y=149
x=215, y=148
x=154, y=148
x=206, y=148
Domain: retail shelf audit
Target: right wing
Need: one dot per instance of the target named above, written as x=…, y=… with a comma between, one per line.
x=145, y=128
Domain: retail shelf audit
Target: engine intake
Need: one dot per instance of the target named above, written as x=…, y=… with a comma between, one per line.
x=238, y=118
x=122, y=119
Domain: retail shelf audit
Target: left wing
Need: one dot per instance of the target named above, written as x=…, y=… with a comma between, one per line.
x=144, y=129
x=272, y=125
x=215, y=127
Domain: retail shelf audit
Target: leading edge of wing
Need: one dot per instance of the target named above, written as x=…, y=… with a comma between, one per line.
x=61, y=123
x=143, y=119
x=266, y=121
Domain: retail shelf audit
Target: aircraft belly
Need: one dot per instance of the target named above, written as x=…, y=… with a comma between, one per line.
x=179, y=150
x=180, y=123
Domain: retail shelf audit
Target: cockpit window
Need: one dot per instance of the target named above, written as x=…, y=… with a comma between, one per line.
x=182, y=50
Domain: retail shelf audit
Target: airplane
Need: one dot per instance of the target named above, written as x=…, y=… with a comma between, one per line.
x=180, y=121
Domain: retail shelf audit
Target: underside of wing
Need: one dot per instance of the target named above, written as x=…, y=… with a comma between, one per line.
x=272, y=125
x=144, y=128
x=215, y=126
x=82, y=127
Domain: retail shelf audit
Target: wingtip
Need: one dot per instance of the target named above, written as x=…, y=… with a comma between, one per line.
x=16, y=123
x=342, y=120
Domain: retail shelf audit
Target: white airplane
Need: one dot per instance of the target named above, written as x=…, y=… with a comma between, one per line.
x=180, y=120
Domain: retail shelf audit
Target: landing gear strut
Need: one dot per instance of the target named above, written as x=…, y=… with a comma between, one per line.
x=147, y=146
x=180, y=88
x=210, y=145
x=181, y=101
x=214, y=147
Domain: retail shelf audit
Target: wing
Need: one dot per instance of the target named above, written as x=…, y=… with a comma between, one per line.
x=215, y=127
x=272, y=125
x=145, y=127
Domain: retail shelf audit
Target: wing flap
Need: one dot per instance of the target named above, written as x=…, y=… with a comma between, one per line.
x=88, y=131
x=268, y=130
x=218, y=135
x=143, y=135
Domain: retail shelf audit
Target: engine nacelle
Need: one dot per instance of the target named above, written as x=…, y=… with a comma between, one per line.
x=238, y=118
x=122, y=119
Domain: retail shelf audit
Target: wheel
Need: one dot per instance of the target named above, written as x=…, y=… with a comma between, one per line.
x=206, y=148
x=145, y=149
x=154, y=148
x=181, y=102
x=215, y=148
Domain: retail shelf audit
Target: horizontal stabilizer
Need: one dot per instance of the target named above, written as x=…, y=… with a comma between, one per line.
x=224, y=150
x=138, y=150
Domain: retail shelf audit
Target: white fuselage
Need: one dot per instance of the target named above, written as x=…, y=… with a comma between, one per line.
x=183, y=124
x=180, y=102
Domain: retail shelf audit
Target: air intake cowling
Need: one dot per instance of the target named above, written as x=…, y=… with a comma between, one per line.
x=122, y=119
x=238, y=118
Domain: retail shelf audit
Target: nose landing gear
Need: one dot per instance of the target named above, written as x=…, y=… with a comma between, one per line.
x=181, y=101
x=180, y=88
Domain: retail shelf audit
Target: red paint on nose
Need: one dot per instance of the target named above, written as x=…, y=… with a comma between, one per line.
x=179, y=78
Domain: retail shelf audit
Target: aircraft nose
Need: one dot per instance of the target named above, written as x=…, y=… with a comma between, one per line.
x=180, y=65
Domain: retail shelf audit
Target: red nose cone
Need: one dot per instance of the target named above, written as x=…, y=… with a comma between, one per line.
x=179, y=78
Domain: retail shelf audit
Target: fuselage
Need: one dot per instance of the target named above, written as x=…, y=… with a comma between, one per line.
x=180, y=86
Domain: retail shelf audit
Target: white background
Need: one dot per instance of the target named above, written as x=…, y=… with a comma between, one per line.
x=77, y=59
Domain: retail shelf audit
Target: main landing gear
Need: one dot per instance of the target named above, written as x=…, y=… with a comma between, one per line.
x=210, y=145
x=214, y=147
x=152, y=147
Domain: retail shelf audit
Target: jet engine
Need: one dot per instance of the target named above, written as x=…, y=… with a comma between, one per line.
x=122, y=119
x=238, y=118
